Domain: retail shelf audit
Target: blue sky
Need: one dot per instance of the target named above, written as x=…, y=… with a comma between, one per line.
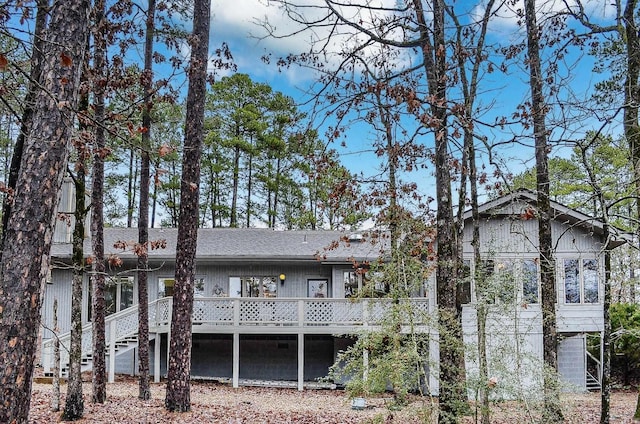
x=236, y=25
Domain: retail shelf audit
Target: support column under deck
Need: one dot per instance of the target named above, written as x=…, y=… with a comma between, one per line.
x=156, y=358
x=112, y=353
x=236, y=360
x=300, y=361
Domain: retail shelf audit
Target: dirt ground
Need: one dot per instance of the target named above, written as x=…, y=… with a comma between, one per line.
x=219, y=403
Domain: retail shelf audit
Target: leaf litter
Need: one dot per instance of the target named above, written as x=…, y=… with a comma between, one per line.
x=213, y=402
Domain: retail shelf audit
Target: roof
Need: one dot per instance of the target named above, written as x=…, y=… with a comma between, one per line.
x=517, y=201
x=247, y=244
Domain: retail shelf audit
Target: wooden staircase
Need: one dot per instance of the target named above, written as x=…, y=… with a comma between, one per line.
x=593, y=381
x=122, y=345
x=121, y=335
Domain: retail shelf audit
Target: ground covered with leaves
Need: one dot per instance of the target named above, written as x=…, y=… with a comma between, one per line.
x=219, y=403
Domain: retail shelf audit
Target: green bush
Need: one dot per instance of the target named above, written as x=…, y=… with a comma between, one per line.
x=625, y=342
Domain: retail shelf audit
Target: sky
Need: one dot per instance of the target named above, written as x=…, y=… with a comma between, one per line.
x=238, y=26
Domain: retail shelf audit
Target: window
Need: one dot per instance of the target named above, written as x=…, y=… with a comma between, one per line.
x=198, y=287
x=259, y=286
x=118, y=294
x=464, y=288
x=166, y=287
x=581, y=280
x=318, y=288
x=353, y=282
x=505, y=281
x=508, y=280
x=530, y=288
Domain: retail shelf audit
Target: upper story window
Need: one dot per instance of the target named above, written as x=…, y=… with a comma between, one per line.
x=506, y=281
x=581, y=281
x=353, y=281
x=464, y=286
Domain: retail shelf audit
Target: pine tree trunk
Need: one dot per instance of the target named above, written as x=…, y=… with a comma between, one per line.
x=74, y=404
x=37, y=61
x=99, y=377
x=143, y=214
x=55, y=380
x=452, y=395
x=178, y=379
x=29, y=232
x=552, y=412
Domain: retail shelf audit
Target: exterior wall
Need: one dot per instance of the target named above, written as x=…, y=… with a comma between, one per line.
x=516, y=239
x=261, y=357
x=516, y=332
x=60, y=289
x=215, y=277
x=572, y=361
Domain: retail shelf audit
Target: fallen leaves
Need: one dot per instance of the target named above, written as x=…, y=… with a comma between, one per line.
x=218, y=403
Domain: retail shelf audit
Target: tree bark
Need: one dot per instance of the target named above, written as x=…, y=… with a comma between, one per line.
x=99, y=377
x=74, y=404
x=55, y=380
x=29, y=232
x=178, y=387
x=552, y=412
x=143, y=213
x=452, y=396
x=37, y=60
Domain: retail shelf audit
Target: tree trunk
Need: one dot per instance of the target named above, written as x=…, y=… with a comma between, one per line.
x=37, y=60
x=630, y=109
x=74, y=404
x=606, y=334
x=29, y=232
x=552, y=412
x=452, y=396
x=178, y=387
x=55, y=380
x=233, y=223
x=143, y=213
x=99, y=377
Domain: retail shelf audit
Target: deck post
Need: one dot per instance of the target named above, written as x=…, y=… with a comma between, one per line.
x=112, y=352
x=300, y=361
x=236, y=360
x=156, y=357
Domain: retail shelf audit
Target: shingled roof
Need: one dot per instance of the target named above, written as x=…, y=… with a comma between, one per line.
x=248, y=244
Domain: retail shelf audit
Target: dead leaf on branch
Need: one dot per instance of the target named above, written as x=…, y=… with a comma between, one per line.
x=65, y=60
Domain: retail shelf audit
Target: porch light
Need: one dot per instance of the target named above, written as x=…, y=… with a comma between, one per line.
x=282, y=278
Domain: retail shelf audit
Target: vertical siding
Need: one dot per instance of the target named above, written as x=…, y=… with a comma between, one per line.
x=60, y=289
x=571, y=361
x=216, y=277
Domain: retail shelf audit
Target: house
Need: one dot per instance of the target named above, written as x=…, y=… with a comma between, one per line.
x=509, y=250
x=269, y=305
x=276, y=305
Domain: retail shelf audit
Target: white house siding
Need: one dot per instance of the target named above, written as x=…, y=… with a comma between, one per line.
x=60, y=289
x=514, y=349
x=572, y=361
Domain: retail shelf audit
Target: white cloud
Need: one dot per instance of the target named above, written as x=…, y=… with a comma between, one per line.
x=240, y=27
x=509, y=13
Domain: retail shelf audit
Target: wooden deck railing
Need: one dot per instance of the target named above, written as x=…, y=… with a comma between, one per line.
x=219, y=313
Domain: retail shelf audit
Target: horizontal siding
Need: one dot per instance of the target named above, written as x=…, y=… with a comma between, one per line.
x=580, y=318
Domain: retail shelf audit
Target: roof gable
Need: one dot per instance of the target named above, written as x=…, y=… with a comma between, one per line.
x=523, y=203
